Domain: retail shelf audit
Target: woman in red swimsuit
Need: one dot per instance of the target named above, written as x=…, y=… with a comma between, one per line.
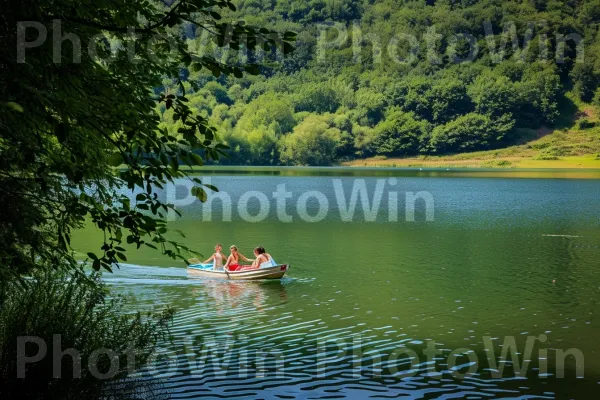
x=233, y=261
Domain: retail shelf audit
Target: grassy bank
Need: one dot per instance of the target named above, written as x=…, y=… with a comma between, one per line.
x=577, y=147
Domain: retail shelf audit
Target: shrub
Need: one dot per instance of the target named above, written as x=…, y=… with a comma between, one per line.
x=552, y=153
x=583, y=124
x=596, y=98
x=79, y=309
x=545, y=156
x=503, y=163
x=497, y=164
x=540, y=145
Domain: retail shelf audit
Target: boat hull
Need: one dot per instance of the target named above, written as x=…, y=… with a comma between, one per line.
x=276, y=272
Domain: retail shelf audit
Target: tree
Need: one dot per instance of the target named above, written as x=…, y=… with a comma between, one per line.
x=448, y=99
x=317, y=97
x=471, y=132
x=345, y=146
x=585, y=79
x=266, y=109
x=219, y=92
x=78, y=126
x=369, y=106
x=399, y=134
x=493, y=94
x=590, y=13
x=539, y=93
x=262, y=145
x=437, y=101
x=313, y=142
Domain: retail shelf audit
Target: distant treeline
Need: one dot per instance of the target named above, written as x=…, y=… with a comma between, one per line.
x=395, y=78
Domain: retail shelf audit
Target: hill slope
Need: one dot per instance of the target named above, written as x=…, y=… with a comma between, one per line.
x=576, y=147
x=402, y=79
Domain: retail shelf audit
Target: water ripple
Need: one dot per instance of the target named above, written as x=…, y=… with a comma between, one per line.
x=246, y=340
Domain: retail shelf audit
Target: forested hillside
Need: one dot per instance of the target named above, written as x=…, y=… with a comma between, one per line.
x=399, y=78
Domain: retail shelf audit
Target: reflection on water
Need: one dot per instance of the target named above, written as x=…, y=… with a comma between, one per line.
x=506, y=263
x=226, y=297
x=532, y=173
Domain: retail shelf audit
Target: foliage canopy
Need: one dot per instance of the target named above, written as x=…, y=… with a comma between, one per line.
x=77, y=126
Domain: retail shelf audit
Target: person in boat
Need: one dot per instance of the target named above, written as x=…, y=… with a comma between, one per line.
x=233, y=261
x=263, y=259
x=217, y=258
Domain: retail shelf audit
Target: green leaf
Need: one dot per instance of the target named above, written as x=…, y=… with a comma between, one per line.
x=199, y=193
x=174, y=163
x=211, y=187
x=15, y=106
x=116, y=159
x=197, y=160
x=128, y=222
x=92, y=256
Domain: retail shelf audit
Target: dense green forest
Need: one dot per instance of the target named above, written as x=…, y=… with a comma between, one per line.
x=396, y=78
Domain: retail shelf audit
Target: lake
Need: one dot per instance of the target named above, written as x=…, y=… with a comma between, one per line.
x=426, y=285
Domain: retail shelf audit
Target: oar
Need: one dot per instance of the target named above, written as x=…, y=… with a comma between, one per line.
x=226, y=271
x=193, y=261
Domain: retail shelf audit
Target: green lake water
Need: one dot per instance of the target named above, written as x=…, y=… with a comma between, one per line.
x=491, y=259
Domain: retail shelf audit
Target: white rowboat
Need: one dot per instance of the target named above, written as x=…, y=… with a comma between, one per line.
x=206, y=270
